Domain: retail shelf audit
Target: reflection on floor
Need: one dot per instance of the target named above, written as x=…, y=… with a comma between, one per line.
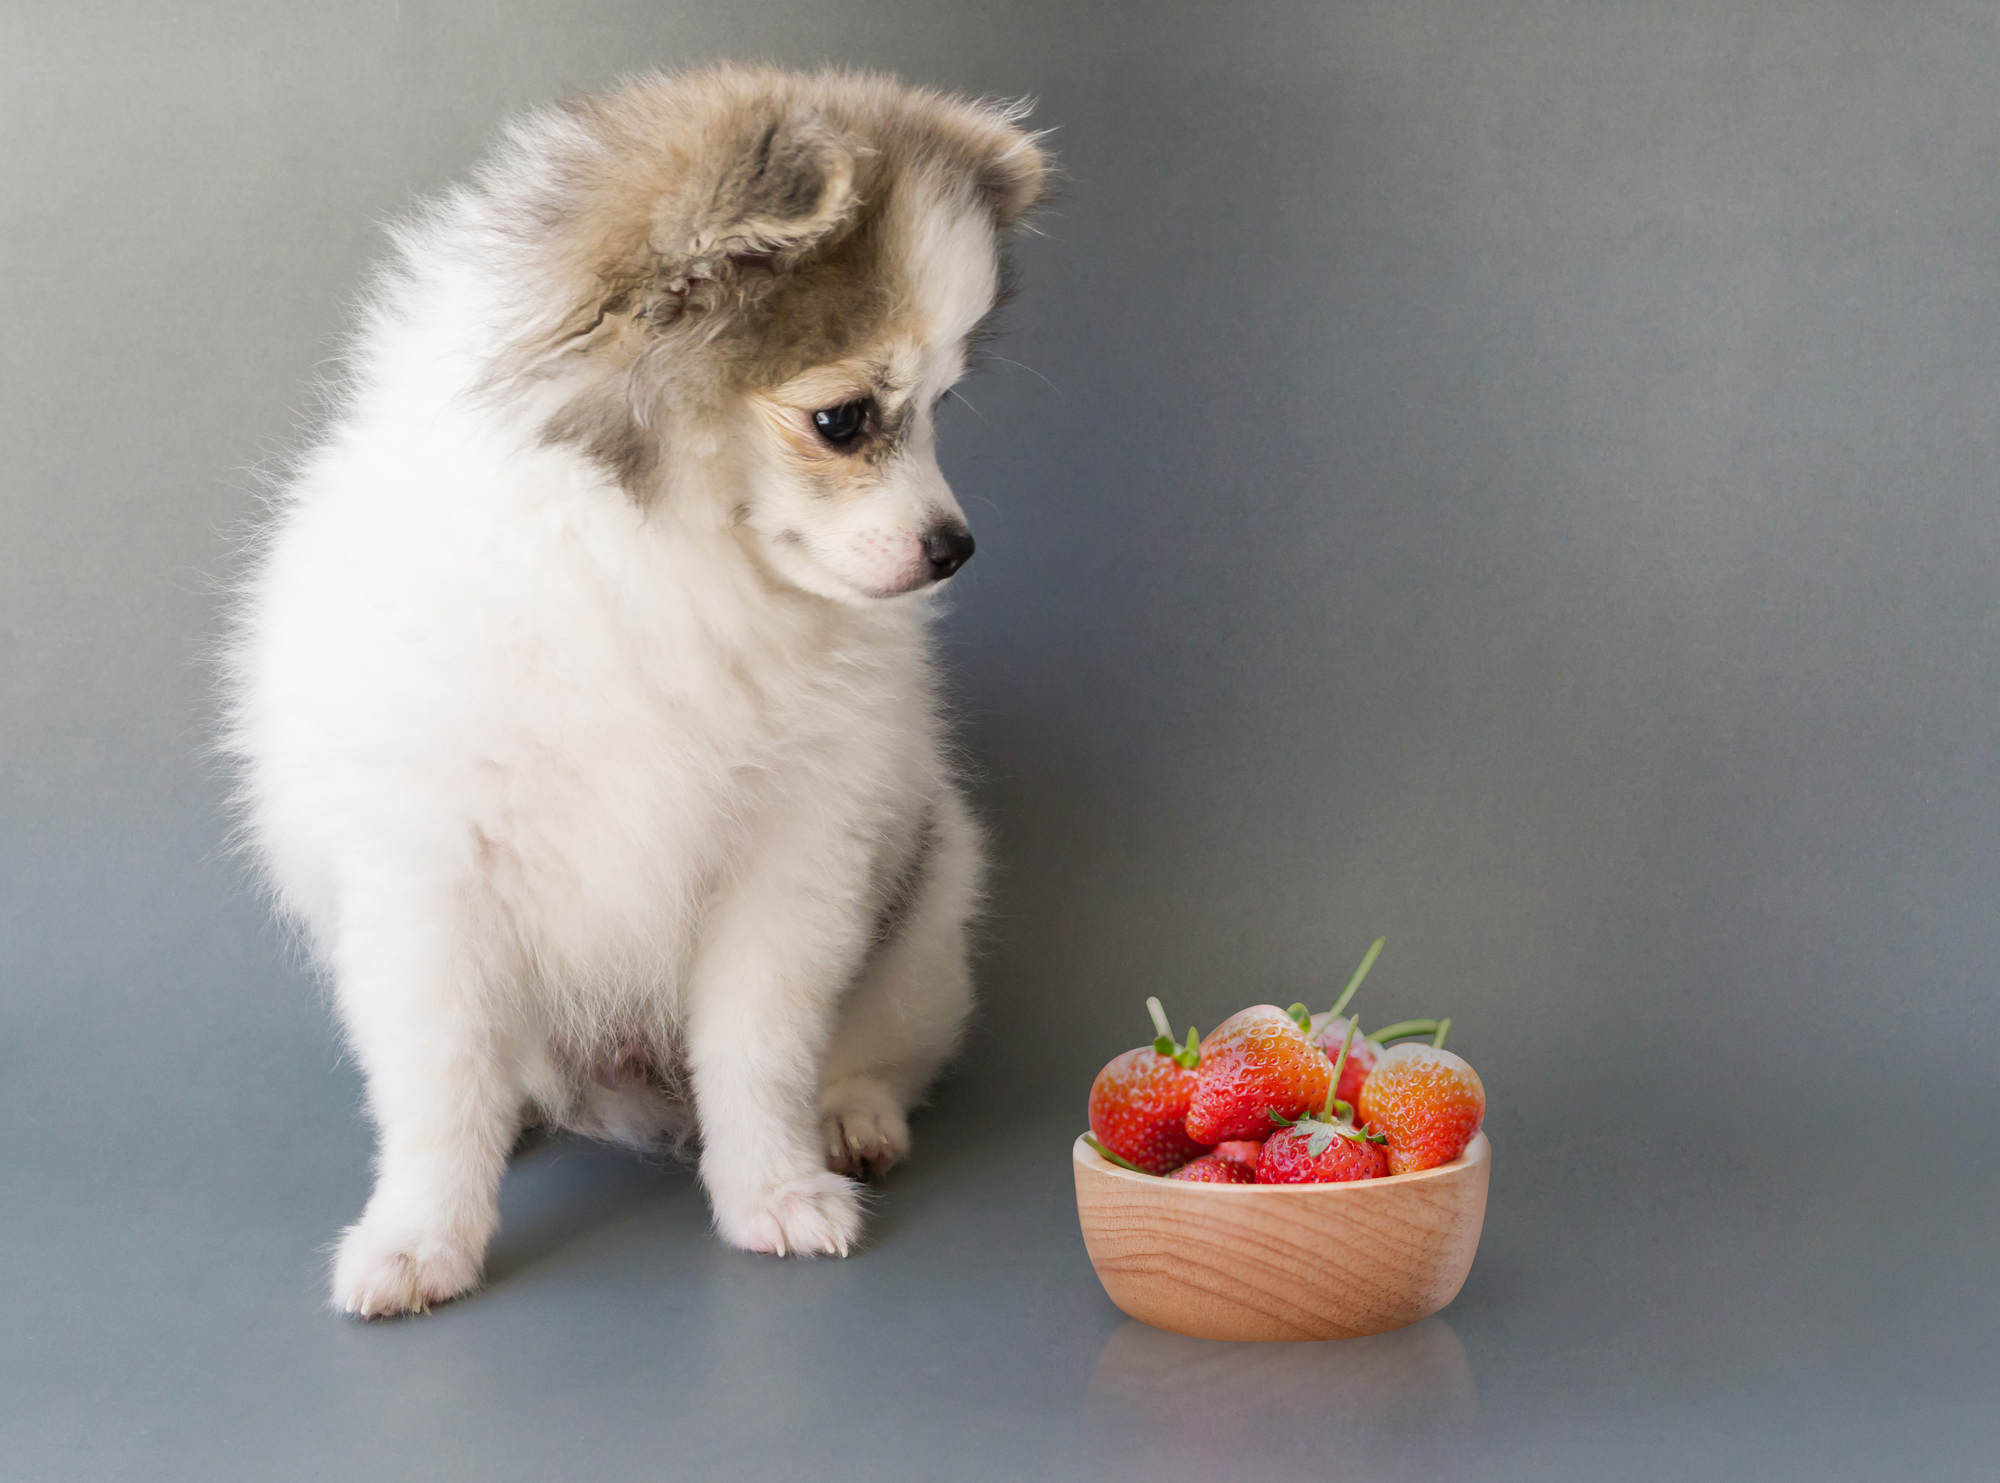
x=1390, y=1402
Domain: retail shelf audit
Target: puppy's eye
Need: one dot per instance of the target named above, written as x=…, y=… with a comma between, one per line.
x=841, y=425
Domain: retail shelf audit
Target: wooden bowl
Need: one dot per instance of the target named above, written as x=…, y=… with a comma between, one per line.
x=1282, y=1261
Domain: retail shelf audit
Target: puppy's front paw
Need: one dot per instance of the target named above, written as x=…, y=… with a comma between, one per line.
x=381, y=1272
x=820, y=1213
x=863, y=1127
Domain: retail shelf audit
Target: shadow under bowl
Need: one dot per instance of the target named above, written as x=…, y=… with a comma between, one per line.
x=1282, y=1261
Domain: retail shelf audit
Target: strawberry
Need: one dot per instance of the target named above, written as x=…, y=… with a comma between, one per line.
x=1327, y=1149
x=1255, y=1063
x=1426, y=1101
x=1288, y=1157
x=1327, y=1032
x=1241, y=1150
x=1212, y=1168
x=1139, y=1102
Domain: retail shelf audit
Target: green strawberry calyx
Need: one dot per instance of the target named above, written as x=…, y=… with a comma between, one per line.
x=1320, y=1139
x=1186, y=1056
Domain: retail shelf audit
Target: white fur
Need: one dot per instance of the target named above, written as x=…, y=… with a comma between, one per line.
x=564, y=787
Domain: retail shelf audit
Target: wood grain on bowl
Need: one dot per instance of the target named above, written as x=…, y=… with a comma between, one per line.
x=1282, y=1261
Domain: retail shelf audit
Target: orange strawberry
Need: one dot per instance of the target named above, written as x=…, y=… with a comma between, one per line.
x=1139, y=1102
x=1212, y=1168
x=1426, y=1101
x=1256, y=1063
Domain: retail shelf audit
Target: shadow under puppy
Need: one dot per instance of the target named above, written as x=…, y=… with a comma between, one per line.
x=581, y=692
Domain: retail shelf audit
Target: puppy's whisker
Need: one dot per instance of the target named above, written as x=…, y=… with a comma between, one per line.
x=1031, y=371
x=958, y=396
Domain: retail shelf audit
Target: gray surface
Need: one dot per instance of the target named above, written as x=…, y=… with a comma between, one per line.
x=1520, y=478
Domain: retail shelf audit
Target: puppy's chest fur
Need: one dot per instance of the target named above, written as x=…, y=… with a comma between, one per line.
x=661, y=748
x=604, y=709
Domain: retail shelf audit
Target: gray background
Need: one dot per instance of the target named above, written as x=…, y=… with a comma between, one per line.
x=1515, y=477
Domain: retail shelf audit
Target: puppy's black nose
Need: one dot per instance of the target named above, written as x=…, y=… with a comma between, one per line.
x=947, y=547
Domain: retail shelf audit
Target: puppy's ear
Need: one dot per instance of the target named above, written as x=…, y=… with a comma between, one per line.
x=789, y=188
x=1014, y=172
x=786, y=184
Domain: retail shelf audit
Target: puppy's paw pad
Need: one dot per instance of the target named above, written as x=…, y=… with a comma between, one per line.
x=378, y=1274
x=817, y=1215
x=863, y=1128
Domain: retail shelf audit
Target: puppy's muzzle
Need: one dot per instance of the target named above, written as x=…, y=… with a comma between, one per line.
x=947, y=548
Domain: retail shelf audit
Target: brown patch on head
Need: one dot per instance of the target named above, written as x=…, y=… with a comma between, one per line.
x=602, y=424
x=684, y=239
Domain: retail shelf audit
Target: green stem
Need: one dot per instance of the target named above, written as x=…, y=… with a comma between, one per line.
x=1091, y=1139
x=1338, y=1066
x=1164, y=1044
x=1437, y=1040
x=1402, y=1028
x=1368, y=962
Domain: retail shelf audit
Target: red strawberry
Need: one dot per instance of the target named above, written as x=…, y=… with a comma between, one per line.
x=1212, y=1168
x=1255, y=1063
x=1426, y=1101
x=1344, y=1153
x=1327, y=1032
x=1243, y=1151
x=1139, y=1101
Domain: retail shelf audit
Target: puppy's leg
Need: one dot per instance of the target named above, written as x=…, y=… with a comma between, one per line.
x=423, y=1018
x=904, y=1018
x=781, y=943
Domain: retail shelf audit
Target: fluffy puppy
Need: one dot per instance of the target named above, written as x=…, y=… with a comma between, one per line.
x=581, y=692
